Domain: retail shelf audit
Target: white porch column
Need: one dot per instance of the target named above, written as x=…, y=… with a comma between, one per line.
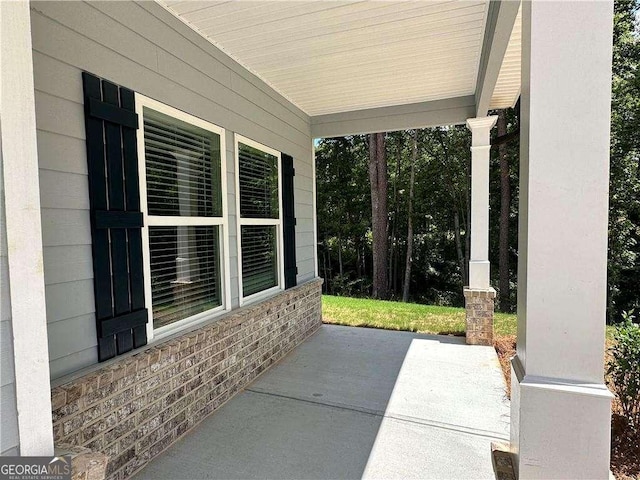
x=23, y=228
x=480, y=154
x=560, y=407
x=479, y=296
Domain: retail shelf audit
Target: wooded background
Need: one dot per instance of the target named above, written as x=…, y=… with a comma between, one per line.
x=393, y=208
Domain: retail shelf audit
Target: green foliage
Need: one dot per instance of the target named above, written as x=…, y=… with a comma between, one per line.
x=624, y=368
x=344, y=213
x=441, y=247
x=624, y=196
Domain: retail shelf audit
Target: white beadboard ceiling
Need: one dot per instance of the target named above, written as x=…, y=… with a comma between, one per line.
x=507, y=88
x=330, y=56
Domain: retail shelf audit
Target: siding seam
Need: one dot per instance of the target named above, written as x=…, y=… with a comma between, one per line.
x=236, y=68
x=39, y=12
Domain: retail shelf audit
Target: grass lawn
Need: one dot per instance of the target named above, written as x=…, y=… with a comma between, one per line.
x=412, y=317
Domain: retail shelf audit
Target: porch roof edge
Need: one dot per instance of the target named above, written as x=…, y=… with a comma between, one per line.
x=449, y=111
x=500, y=22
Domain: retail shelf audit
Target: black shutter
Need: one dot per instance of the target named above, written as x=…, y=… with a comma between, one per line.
x=116, y=221
x=288, y=207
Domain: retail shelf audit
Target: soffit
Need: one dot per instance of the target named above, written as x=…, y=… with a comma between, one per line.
x=507, y=89
x=330, y=56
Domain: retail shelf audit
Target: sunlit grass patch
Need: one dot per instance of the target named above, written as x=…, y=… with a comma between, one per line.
x=412, y=317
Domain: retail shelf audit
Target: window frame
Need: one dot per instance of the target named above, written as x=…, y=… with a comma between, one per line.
x=221, y=222
x=240, y=222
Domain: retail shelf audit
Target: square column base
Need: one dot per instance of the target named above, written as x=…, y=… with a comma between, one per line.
x=559, y=429
x=479, y=306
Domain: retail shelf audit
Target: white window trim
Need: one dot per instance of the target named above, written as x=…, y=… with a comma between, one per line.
x=152, y=220
x=314, y=203
x=256, y=297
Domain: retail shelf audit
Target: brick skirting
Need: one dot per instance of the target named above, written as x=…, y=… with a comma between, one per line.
x=134, y=408
x=479, y=306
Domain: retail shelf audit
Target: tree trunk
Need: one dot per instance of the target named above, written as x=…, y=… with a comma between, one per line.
x=505, y=208
x=380, y=214
x=467, y=224
x=328, y=275
x=461, y=257
x=391, y=280
x=409, y=260
x=325, y=285
x=397, y=226
x=340, y=256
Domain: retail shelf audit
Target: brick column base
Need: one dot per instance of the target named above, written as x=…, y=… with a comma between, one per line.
x=479, y=305
x=85, y=464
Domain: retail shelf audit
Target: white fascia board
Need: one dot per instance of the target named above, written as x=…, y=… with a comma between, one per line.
x=500, y=22
x=451, y=111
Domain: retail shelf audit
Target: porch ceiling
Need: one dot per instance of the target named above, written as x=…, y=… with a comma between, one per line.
x=329, y=57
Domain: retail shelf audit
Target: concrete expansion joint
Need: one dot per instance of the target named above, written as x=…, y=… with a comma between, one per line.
x=478, y=432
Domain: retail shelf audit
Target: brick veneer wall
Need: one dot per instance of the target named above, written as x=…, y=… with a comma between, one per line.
x=479, y=306
x=134, y=408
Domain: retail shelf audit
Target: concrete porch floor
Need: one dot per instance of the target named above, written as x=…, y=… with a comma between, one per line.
x=354, y=403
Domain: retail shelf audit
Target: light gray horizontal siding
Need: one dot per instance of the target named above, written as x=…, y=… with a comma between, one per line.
x=59, y=115
x=67, y=263
x=303, y=167
x=72, y=334
x=69, y=300
x=231, y=211
x=306, y=271
x=304, y=253
x=7, y=372
x=305, y=237
x=64, y=190
x=63, y=154
x=181, y=43
x=9, y=438
x=5, y=298
x=10, y=452
x=65, y=227
x=146, y=49
x=115, y=51
x=304, y=212
x=8, y=418
x=78, y=360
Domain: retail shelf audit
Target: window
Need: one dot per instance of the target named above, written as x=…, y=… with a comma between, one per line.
x=183, y=199
x=259, y=225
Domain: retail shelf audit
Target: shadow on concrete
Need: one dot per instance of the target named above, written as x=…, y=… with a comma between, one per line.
x=353, y=403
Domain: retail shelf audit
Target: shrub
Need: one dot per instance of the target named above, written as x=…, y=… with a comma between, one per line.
x=624, y=368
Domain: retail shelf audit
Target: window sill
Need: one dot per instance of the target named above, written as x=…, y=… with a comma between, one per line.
x=185, y=324
x=260, y=296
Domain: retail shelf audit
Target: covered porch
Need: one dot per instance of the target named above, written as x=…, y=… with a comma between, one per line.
x=355, y=403
x=449, y=64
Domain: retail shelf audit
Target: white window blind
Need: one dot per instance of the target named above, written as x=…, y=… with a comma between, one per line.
x=185, y=273
x=185, y=221
x=258, y=183
x=259, y=207
x=259, y=258
x=183, y=168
